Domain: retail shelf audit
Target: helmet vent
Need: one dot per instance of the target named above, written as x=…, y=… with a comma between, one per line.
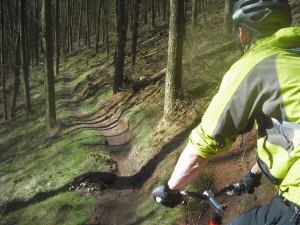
x=254, y=9
x=247, y=3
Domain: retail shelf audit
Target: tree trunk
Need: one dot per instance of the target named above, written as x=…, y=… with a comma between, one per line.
x=80, y=23
x=2, y=72
x=174, y=65
x=10, y=24
x=130, y=14
x=64, y=26
x=98, y=24
x=203, y=11
x=94, y=14
x=184, y=18
x=88, y=32
x=138, y=85
x=164, y=6
x=105, y=22
x=16, y=77
x=145, y=12
x=25, y=58
x=194, y=12
x=49, y=81
x=120, y=45
x=227, y=16
x=57, y=32
x=17, y=64
x=135, y=31
x=152, y=13
x=31, y=27
x=157, y=8
x=37, y=31
x=28, y=33
x=69, y=25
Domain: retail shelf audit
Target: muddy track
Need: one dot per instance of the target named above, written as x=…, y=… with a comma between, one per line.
x=117, y=205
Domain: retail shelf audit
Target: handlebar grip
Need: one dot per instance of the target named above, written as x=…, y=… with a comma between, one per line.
x=158, y=199
x=239, y=187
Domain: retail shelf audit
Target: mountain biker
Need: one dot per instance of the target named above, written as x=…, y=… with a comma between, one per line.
x=262, y=88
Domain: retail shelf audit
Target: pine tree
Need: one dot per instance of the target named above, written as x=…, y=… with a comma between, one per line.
x=25, y=58
x=49, y=81
x=227, y=16
x=120, y=45
x=174, y=65
x=135, y=30
x=57, y=33
x=194, y=12
x=2, y=72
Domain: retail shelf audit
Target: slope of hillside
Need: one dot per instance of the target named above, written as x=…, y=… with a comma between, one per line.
x=101, y=165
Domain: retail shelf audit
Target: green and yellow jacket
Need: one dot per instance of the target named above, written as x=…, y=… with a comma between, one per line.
x=262, y=88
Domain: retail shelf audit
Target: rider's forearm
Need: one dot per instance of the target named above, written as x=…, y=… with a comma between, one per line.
x=255, y=169
x=188, y=166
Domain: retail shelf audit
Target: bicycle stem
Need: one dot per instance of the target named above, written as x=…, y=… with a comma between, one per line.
x=219, y=208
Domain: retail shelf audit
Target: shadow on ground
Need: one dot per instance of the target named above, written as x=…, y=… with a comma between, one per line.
x=109, y=180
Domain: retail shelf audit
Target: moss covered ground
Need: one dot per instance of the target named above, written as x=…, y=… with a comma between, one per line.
x=37, y=168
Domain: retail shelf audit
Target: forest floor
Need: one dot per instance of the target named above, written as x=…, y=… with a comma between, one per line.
x=109, y=152
x=117, y=206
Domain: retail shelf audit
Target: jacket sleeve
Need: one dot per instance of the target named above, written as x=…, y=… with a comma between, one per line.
x=231, y=112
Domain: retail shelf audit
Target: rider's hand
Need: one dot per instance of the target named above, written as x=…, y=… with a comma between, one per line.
x=251, y=181
x=167, y=197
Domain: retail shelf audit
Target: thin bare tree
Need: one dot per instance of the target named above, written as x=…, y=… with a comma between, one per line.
x=135, y=30
x=25, y=55
x=2, y=72
x=49, y=81
x=57, y=34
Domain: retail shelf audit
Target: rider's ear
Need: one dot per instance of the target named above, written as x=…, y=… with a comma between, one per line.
x=243, y=36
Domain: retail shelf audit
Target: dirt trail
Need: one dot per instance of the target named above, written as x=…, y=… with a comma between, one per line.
x=117, y=206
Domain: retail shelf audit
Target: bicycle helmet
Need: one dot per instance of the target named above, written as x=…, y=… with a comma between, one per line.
x=262, y=17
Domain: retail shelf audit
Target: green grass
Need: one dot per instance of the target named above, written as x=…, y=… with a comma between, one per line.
x=91, y=104
x=143, y=120
x=32, y=162
x=42, y=168
x=83, y=76
x=150, y=214
x=67, y=208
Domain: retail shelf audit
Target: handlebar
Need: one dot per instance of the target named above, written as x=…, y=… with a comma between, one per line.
x=210, y=196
